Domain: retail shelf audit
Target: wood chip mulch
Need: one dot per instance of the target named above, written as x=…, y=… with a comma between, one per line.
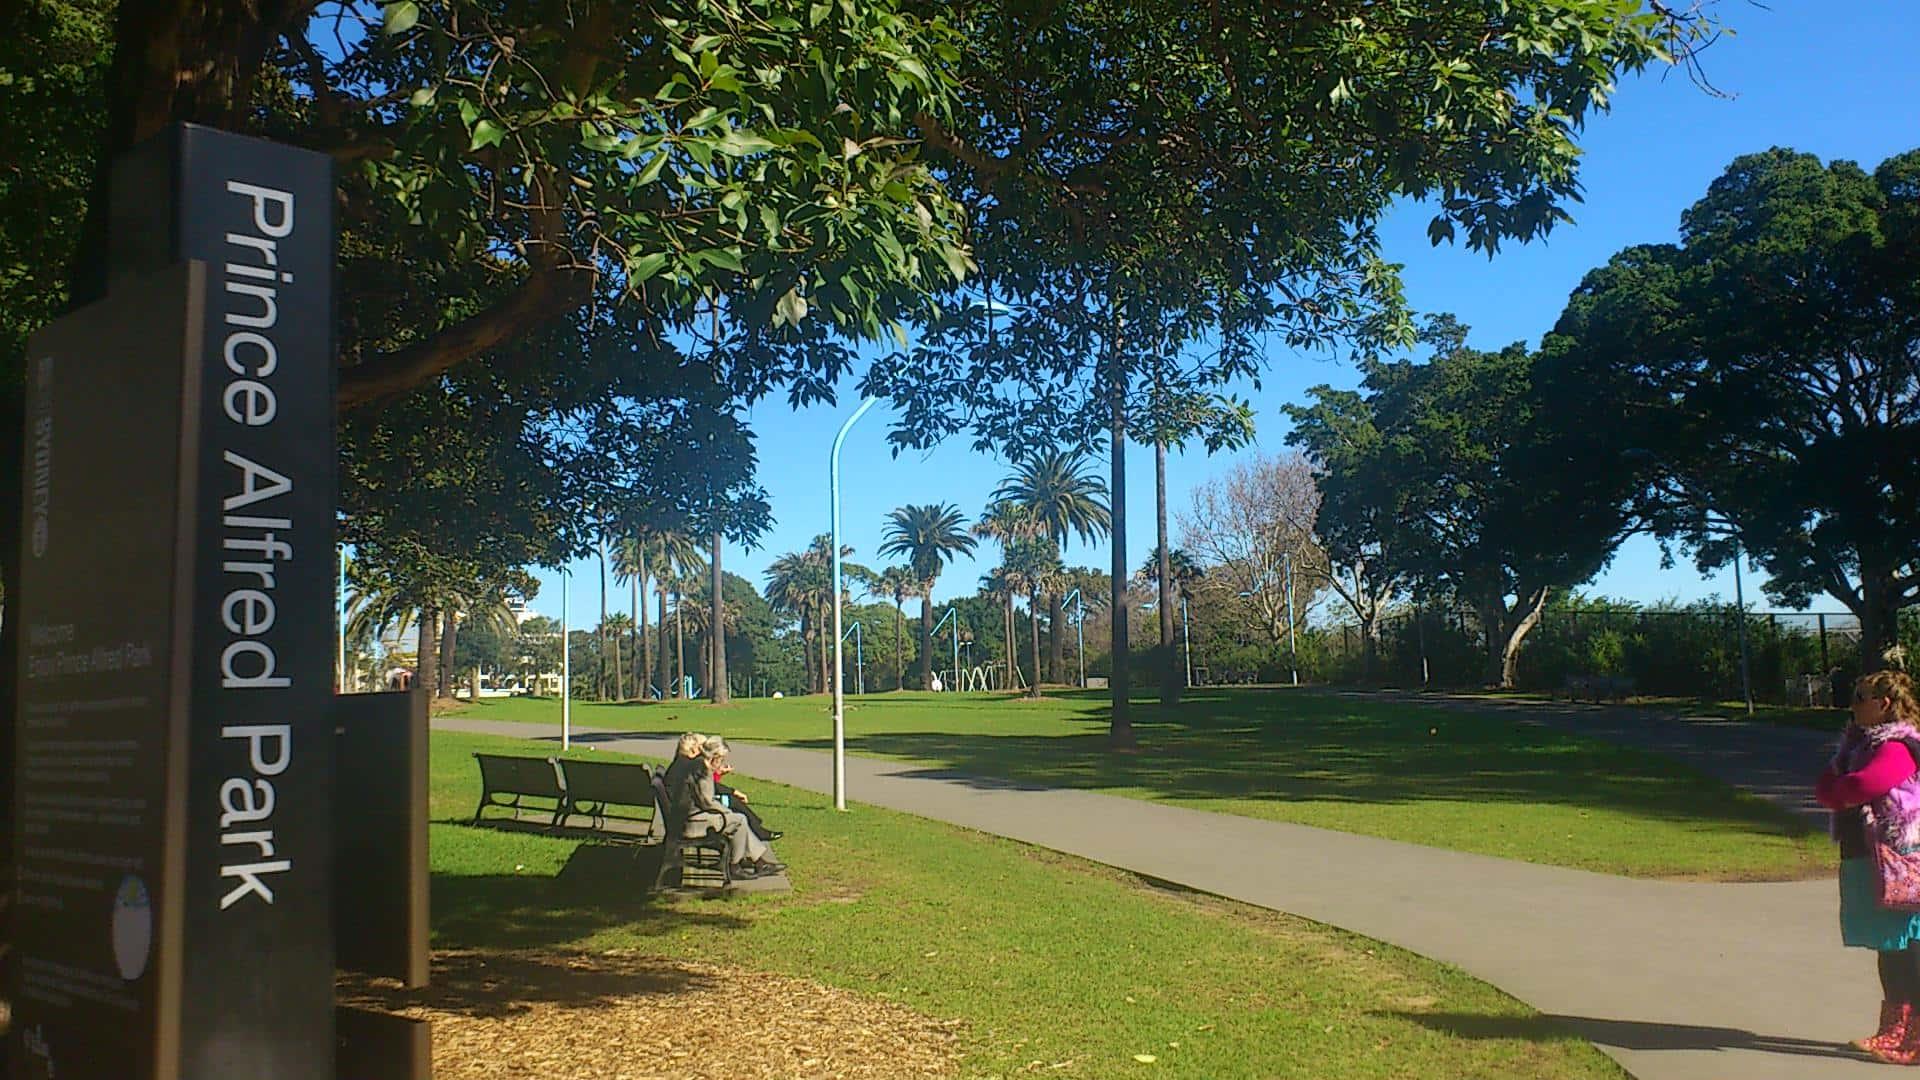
x=618, y=1016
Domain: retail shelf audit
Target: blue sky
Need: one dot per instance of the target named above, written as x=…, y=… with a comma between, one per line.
x=1840, y=80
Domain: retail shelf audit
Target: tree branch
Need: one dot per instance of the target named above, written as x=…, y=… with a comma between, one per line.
x=544, y=295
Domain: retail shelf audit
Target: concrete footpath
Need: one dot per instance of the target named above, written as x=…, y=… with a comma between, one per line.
x=1676, y=981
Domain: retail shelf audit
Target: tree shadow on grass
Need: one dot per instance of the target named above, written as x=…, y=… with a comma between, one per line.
x=491, y=983
x=1299, y=748
x=601, y=887
x=1624, y=1034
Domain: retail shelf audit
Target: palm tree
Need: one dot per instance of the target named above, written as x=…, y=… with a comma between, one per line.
x=897, y=583
x=1033, y=567
x=929, y=536
x=800, y=584
x=1008, y=523
x=697, y=610
x=675, y=559
x=718, y=692
x=630, y=568
x=1062, y=497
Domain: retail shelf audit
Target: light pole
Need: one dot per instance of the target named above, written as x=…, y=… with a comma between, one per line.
x=341, y=678
x=1293, y=652
x=566, y=665
x=1727, y=528
x=859, y=657
x=839, y=676
x=1079, y=630
x=1740, y=602
x=956, y=643
x=1186, y=636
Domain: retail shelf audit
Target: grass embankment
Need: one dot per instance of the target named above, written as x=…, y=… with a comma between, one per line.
x=1469, y=782
x=1056, y=967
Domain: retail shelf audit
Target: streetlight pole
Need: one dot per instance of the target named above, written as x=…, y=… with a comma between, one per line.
x=566, y=665
x=859, y=657
x=1079, y=630
x=1293, y=651
x=1186, y=635
x=341, y=679
x=1740, y=601
x=839, y=676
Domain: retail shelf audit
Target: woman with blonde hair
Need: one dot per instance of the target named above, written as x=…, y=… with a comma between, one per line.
x=1872, y=789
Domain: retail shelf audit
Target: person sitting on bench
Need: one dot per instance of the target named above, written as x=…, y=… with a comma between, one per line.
x=733, y=798
x=690, y=799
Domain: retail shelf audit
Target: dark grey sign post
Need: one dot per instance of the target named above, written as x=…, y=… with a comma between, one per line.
x=173, y=818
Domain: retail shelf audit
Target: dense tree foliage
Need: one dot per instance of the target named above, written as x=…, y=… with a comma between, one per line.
x=1482, y=492
x=1768, y=373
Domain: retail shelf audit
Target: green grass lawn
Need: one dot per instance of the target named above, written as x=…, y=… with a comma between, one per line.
x=1800, y=716
x=1465, y=781
x=1044, y=958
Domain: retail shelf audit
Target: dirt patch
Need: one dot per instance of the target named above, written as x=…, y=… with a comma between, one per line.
x=630, y=1017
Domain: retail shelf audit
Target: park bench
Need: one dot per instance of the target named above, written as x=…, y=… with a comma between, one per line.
x=506, y=780
x=673, y=852
x=1598, y=688
x=593, y=787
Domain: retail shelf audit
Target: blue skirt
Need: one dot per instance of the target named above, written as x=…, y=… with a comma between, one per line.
x=1863, y=922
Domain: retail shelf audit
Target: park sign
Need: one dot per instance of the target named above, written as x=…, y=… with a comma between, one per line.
x=172, y=821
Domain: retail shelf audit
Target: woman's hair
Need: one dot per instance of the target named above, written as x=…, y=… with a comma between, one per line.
x=714, y=744
x=1895, y=686
x=692, y=743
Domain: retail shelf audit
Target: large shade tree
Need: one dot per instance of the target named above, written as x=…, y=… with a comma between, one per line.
x=1767, y=370
x=928, y=536
x=1494, y=498
x=1154, y=190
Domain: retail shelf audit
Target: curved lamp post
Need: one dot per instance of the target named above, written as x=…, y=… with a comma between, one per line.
x=956, y=642
x=839, y=675
x=1079, y=629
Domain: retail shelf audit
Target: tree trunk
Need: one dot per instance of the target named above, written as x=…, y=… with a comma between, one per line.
x=1120, y=732
x=1033, y=632
x=664, y=672
x=643, y=674
x=448, y=637
x=719, y=692
x=926, y=640
x=603, y=675
x=703, y=662
x=1013, y=652
x=899, y=645
x=1056, y=638
x=426, y=667
x=1879, y=620
x=1172, y=677
x=1369, y=648
x=619, y=669
x=1505, y=631
x=679, y=648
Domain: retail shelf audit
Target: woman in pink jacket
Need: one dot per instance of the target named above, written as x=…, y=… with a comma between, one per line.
x=1874, y=792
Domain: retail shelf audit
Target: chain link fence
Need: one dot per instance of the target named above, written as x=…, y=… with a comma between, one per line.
x=1794, y=657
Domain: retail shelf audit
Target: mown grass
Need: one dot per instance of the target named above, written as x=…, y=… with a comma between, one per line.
x=1045, y=958
x=1485, y=783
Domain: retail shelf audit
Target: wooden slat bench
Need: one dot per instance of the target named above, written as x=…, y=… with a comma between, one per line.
x=593, y=787
x=506, y=780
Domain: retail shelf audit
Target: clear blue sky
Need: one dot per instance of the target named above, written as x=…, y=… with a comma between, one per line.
x=1838, y=79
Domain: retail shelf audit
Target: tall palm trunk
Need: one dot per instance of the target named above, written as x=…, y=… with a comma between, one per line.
x=679, y=648
x=719, y=692
x=601, y=676
x=1013, y=653
x=899, y=644
x=665, y=671
x=450, y=628
x=926, y=639
x=1171, y=676
x=1033, y=629
x=1056, y=638
x=1120, y=733
x=426, y=673
x=642, y=674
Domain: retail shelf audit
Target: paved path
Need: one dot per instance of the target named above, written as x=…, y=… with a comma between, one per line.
x=1676, y=981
